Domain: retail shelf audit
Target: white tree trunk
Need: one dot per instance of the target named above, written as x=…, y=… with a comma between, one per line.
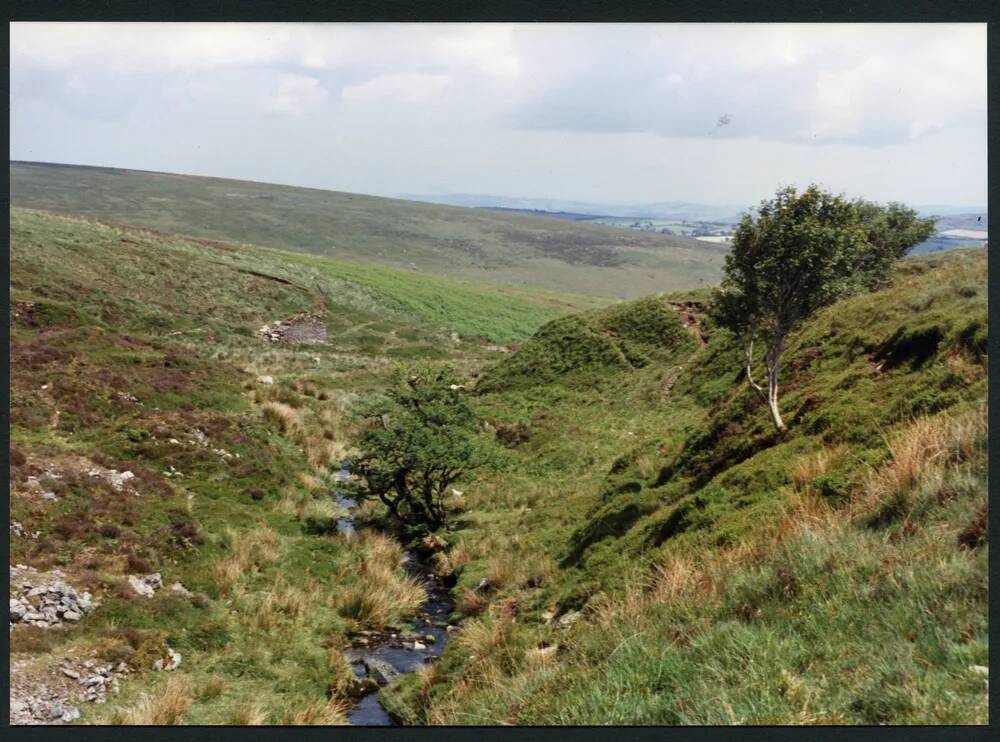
x=774, y=361
x=749, y=355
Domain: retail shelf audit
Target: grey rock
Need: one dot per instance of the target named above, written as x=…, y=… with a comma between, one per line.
x=50, y=496
x=72, y=713
x=70, y=673
x=141, y=586
x=380, y=671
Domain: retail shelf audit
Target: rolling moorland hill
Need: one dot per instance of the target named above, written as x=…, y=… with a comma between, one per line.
x=652, y=552
x=510, y=249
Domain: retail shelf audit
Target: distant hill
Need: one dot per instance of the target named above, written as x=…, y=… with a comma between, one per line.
x=503, y=248
x=682, y=210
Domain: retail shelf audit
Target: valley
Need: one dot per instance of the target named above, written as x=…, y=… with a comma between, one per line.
x=645, y=549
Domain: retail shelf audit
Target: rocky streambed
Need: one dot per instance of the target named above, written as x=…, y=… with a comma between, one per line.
x=379, y=657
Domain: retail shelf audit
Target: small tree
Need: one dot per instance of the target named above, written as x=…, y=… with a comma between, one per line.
x=801, y=252
x=418, y=440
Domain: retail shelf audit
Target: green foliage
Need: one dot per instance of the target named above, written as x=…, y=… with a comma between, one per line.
x=802, y=252
x=418, y=440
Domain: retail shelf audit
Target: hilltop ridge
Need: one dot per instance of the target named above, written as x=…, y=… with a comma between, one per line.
x=509, y=249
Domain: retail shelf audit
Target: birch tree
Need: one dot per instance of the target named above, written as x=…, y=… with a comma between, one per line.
x=798, y=253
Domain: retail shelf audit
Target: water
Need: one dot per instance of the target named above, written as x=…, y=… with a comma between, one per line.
x=392, y=648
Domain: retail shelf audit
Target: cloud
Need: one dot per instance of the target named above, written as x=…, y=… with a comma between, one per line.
x=590, y=110
x=295, y=94
x=863, y=85
x=406, y=87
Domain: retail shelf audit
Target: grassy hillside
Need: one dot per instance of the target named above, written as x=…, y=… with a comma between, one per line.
x=475, y=244
x=655, y=554
x=139, y=352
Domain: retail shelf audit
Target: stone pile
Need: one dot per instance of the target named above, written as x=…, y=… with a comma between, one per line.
x=97, y=680
x=45, y=604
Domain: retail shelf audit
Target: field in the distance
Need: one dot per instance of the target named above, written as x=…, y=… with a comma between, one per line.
x=502, y=248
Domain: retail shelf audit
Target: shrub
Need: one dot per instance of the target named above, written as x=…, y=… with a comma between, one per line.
x=419, y=439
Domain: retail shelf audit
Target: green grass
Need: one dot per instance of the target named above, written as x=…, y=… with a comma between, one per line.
x=125, y=347
x=475, y=244
x=618, y=468
x=725, y=575
x=159, y=283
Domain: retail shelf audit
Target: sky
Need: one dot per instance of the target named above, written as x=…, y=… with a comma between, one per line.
x=709, y=113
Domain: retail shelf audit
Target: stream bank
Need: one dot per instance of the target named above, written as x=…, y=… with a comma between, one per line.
x=381, y=656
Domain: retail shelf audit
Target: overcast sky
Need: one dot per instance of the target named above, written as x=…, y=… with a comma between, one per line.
x=613, y=113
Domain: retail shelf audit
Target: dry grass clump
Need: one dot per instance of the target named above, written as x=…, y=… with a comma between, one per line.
x=213, y=688
x=921, y=454
x=381, y=592
x=502, y=570
x=248, y=714
x=471, y=604
x=165, y=709
x=284, y=602
x=248, y=550
x=286, y=417
x=317, y=714
x=816, y=464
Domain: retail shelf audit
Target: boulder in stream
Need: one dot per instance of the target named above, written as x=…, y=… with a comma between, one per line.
x=380, y=671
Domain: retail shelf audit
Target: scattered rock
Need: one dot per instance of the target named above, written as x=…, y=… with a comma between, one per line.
x=265, y=379
x=419, y=645
x=180, y=589
x=300, y=328
x=50, y=496
x=481, y=585
x=146, y=585
x=429, y=638
x=569, y=619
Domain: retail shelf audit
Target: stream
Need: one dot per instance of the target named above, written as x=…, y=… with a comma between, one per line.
x=375, y=648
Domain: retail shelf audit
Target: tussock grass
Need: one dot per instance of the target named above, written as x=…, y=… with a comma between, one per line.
x=921, y=456
x=249, y=714
x=213, y=688
x=287, y=418
x=317, y=713
x=248, y=550
x=168, y=707
x=817, y=463
x=381, y=592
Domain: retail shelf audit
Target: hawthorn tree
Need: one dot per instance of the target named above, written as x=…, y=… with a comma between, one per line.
x=801, y=252
x=418, y=439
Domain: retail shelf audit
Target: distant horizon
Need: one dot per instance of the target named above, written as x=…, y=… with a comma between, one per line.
x=954, y=208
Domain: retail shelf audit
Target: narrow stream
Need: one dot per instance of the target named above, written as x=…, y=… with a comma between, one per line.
x=373, y=649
